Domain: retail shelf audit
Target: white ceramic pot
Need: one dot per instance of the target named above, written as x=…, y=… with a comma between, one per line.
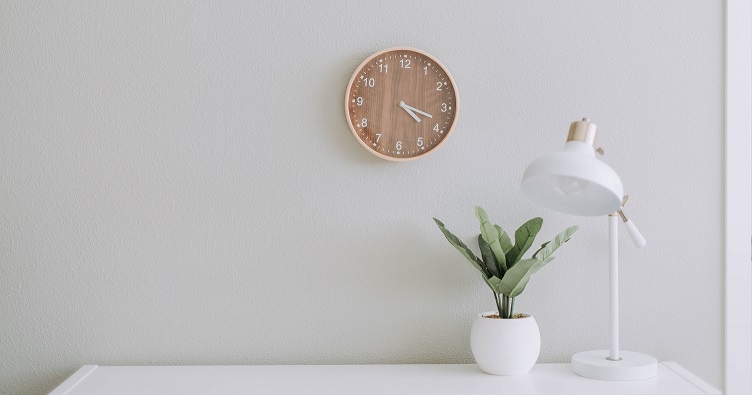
x=505, y=347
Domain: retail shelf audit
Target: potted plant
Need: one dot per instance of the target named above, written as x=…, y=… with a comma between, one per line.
x=503, y=342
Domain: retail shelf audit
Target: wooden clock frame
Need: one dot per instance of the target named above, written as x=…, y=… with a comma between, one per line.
x=394, y=124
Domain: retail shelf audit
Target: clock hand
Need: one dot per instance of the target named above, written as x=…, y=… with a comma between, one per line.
x=419, y=112
x=407, y=108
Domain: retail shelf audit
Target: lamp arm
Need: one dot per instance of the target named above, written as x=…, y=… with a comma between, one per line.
x=634, y=233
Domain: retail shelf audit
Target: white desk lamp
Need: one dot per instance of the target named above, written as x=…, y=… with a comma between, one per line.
x=574, y=181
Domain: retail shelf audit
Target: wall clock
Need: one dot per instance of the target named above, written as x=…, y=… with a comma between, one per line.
x=401, y=104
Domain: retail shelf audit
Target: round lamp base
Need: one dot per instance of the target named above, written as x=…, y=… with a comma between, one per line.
x=632, y=366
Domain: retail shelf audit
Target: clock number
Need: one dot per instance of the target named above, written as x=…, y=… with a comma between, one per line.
x=438, y=85
x=359, y=101
x=378, y=137
x=405, y=63
x=443, y=107
x=383, y=68
x=436, y=128
x=420, y=141
x=370, y=82
x=399, y=146
x=425, y=70
x=363, y=122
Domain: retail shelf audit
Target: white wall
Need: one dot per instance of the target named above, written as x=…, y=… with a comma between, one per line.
x=178, y=184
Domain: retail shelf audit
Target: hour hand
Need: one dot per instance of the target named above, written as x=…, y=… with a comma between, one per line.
x=409, y=111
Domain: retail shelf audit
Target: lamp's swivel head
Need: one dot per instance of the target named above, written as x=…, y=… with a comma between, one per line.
x=573, y=180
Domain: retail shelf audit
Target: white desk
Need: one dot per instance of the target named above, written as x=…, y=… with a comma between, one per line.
x=551, y=379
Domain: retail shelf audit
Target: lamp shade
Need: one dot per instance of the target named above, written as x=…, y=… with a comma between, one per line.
x=573, y=181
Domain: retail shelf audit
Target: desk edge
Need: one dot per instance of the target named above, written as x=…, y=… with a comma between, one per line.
x=69, y=384
x=80, y=375
x=692, y=378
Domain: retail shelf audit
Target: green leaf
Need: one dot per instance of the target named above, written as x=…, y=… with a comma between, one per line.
x=548, y=248
x=535, y=254
x=488, y=257
x=462, y=248
x=493, y=282
x=504, y=240
x=491, y=236
x=516, y=278
x=523, y=239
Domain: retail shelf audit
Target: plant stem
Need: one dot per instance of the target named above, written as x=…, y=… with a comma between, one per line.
x=511, y=307
x=504, y=307
x=498, y=303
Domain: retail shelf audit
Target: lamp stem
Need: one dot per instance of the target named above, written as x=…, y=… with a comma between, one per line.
x=613, y=273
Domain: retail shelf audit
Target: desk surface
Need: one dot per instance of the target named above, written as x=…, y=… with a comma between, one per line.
x=551, y=379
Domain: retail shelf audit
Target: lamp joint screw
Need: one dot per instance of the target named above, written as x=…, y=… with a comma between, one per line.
x=620, y=211
x=600, y=151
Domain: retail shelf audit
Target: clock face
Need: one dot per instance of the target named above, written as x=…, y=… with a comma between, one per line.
x=401, y=104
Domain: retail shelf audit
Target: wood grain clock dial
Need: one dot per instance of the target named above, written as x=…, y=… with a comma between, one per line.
x=401, y=104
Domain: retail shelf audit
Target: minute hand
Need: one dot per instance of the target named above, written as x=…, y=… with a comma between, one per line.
x=409, y=111
x=419, y=112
